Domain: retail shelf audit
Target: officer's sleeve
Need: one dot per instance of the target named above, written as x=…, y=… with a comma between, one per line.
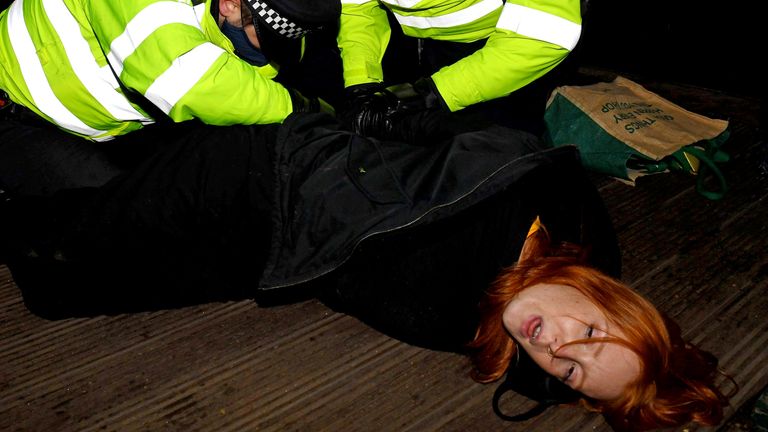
x=232, y=91
x=171, y=62
x=363, y=37
x=530, y=39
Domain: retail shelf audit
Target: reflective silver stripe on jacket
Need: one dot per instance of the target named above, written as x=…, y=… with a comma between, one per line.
x=403, y=3
x=143, y=25
x=185, y=70
x=100, y=82
x=539, y=25
x=40, y=90
x=183, y=74
x=461, y=17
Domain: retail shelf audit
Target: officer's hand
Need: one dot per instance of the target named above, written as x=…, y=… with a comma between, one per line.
x=365, y=109
x=386, y=113
x=417, y=97
x=304, y=104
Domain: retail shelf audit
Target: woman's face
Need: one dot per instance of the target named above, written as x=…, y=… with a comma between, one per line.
x=543, y=318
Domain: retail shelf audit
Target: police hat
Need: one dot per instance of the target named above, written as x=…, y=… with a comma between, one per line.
x=281, y=24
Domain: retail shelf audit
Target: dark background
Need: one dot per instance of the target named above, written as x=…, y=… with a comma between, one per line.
x=714, y=45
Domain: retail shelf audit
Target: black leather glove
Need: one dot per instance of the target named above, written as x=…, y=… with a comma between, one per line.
x=303, y=104
x=419, y=96
x=364, y=109
x=373, y=110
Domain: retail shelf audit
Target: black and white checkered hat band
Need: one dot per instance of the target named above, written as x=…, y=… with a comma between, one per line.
x=280, y=24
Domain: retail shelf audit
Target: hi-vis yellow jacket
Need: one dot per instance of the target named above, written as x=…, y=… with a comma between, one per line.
x=526, y=39
x=84, y=65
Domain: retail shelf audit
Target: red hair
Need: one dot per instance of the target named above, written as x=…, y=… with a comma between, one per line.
x=676, y=383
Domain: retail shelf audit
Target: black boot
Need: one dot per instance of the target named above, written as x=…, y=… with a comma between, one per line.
x=30, y=228
x=8, y=234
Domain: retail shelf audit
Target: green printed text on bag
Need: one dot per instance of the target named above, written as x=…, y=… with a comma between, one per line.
x=626, y=131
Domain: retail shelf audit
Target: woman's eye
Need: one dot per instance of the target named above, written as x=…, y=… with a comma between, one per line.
x=590, y=331
x=569, y=373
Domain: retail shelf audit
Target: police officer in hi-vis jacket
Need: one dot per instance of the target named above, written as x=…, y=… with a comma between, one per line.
x=75, y=75
x=470, y=52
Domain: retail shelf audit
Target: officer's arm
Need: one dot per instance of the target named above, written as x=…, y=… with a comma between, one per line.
x=170, y=61
x=528, y=42
x=363, y=37
x=232, y=91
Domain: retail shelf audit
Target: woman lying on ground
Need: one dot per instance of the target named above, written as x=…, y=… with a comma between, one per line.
x=406, y=237
x=599, y=337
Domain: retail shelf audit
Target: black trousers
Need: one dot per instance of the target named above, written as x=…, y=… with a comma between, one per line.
x=182, y=218
x=37, y=159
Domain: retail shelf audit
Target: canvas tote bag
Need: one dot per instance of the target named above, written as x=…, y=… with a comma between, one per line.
x=625, y=131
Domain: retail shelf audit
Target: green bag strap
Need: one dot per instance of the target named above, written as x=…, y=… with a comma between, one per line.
x=708, y=163
x=708, y=160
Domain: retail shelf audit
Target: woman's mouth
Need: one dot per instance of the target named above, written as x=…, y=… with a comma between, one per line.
x=531, y=327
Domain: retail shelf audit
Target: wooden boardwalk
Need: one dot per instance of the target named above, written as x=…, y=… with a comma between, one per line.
x=235, y=366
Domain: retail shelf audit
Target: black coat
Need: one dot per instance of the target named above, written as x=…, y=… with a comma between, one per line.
x=405, y=237
x=419, y=232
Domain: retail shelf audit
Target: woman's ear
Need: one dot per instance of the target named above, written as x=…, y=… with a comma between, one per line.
x=228, y=8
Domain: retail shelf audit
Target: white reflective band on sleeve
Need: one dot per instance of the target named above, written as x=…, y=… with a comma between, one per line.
x=402, y=3
x=143, y=24
x=85, y=66
x=32, y=70
x=200, y=11
x=539, y=25
x=182, y=75
x=108, y=76
x=461, y=17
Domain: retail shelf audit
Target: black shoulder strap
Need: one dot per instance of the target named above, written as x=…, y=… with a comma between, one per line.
x=533, y=412
x=527, y=379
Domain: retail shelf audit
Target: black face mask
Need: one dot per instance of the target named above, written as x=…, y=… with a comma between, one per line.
x=243, y=47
